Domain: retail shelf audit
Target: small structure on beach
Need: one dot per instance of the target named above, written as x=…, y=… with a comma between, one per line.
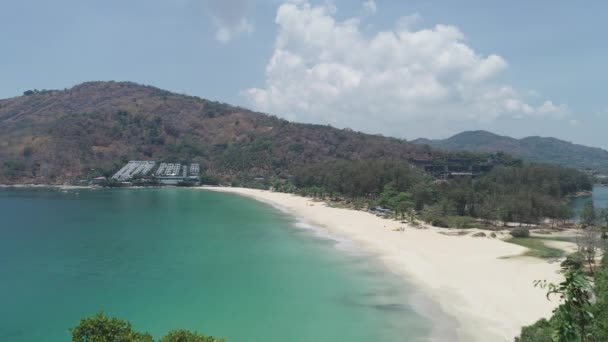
x=98, y=180
x=379, y=211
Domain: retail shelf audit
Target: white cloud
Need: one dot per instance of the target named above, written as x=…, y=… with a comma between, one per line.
x=225, y=33
x=548, y=108
x=400, y=82
x=370, y=6
x=229, y=18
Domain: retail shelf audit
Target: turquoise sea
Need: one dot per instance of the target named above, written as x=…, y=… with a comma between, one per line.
x=184, y=258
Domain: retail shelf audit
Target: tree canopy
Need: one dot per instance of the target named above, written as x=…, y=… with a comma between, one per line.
x=525, y=193
x=100, y=328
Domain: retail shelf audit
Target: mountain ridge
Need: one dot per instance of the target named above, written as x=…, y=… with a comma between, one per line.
x=533, y=148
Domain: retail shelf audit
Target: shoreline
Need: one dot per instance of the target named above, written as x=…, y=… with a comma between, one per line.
x=48, y=186
x=442, y=326
x=582, y=194
x=475, y=281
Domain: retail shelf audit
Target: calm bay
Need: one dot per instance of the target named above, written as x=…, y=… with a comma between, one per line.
x=183, y=258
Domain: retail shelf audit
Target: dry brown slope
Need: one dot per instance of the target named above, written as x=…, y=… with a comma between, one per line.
x=58, y=136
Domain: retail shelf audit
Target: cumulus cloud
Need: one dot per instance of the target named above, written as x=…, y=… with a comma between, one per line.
x=556, y=110
x=397, y=82
x=229, y=18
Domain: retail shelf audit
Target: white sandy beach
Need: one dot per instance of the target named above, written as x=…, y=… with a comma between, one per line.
x=490, y=296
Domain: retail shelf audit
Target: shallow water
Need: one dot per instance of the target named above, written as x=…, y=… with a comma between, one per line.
x=183, y=258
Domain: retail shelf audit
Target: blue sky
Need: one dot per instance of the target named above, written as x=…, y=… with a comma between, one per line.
x=403, y=68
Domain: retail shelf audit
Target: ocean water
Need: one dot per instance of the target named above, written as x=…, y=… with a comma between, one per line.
x=184, y=258
x=599, y=197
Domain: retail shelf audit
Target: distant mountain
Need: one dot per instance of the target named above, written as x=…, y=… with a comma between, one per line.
x=536, y=149
x=95, y=127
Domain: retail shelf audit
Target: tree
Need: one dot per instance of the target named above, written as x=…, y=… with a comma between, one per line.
x=588, y=214
x=422, y=194
x=403, y=203
x=100, y=328
x=574, y=316
x=604, y=238
x=604, y=216
x=187, y=336
x=209, y=179
x=588, y=242
x=387, y=197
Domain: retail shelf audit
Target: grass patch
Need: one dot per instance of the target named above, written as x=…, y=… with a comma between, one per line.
x=339, y=205
x=537, y=248
x=557, y=238
x=458, y=222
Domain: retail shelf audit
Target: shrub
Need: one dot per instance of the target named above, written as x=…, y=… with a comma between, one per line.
x=439, y=222
x=27, y=151
x=520, y=232
x=187, y=336
x=574, y=261
x=461, y=222
x=101, y=328
x=538, y=332
x=208, y=179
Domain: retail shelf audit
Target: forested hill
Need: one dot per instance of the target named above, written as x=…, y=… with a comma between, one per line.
x=536, y=149
x=58, y=136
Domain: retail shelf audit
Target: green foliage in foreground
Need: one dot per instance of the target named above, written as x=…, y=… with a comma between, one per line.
x=101, y=328
x=579, y=318
x=537, y=332
x=187, y=336
x=574, y=262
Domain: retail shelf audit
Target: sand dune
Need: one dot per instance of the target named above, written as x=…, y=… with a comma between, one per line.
x=476, y=280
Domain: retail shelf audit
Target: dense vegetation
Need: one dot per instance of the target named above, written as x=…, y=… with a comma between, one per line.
x=517, y=193
x=101, y=328
x=534, y=149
